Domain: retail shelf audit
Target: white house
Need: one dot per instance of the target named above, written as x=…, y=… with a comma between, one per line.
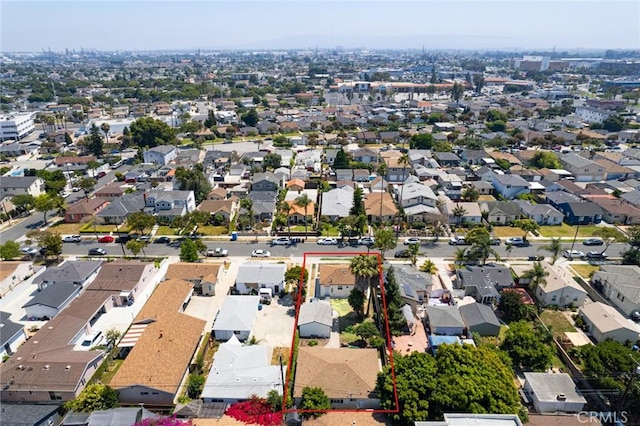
x=418, y=201
x=592, y=115
x=14, y=272
x=560, y=289
x=542, y=214
x=48, y=302
x=236, y=317
x=12, y=336
x=253, y=276
x=315, y=319
x=605, y=322
x=13, y=185
x=16, y=126
x=169, y=204
x=335, y=281
x=337, y=203
x=238, y=372
x=621, y=285
x=510, y=186
x=469, y=212
x=160, y=155
x=553, y=392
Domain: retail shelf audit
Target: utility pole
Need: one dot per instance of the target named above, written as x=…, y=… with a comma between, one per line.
x=574, y=241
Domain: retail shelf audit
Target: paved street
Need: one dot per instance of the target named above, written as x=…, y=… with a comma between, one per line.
x=244, y=249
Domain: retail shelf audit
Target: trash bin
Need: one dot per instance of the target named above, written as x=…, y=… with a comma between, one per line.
x=234, y=236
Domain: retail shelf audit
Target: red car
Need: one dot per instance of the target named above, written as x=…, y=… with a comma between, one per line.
x=106, y=239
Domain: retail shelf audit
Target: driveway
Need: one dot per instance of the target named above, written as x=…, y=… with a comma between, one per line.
x=274, y=324
x=206, y=307
x=334, y=338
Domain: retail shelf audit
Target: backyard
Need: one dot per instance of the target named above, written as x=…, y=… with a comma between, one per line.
x=557, y=322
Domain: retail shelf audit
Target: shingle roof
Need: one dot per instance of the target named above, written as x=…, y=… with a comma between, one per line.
x=193, y=271
x=18, y=182
x=584, y=208
x=337, y=202
x=335, y=275
x=9, y=329
x=261, y=272
x=477, y=313
x=624, y=278
x=315, y=311
x=53, y=295
x=71, y=271
x=26, y=414
x=237, y=313
x=444, y=317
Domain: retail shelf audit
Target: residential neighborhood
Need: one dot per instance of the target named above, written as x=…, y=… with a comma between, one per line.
x=321, y=236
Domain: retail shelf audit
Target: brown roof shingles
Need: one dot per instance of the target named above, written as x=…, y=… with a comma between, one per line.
x=336, y=275
x=193, y=271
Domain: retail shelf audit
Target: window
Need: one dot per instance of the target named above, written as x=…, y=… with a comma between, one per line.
x=144, y=393
x=553, y=299
x=55, y=396
x=336, y=401
x=339, y=287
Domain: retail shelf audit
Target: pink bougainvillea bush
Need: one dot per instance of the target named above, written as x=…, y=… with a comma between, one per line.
x=164, y=421
x=255, y=411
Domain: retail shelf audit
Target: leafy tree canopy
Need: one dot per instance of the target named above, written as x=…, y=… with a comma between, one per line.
x=93, y=398
x=149, y=132
x=527, y=346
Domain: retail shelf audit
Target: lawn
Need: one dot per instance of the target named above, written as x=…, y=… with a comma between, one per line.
x=567, y=231
x=213, y=230
x=166, y=230
x=586, y=270
x=347, y=316
x=67, y=228
x=506, y=231
x=557, y=322
x=330, y=231
x=103, y=229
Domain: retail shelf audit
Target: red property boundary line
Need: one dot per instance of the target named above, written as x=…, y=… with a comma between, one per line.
x=295, y=328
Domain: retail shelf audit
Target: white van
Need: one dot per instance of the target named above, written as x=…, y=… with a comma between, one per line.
x=92, y=339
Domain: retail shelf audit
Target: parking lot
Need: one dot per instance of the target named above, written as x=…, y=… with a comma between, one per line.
x=274, y=325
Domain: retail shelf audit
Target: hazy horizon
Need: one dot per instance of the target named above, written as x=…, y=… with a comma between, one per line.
x=139, y=25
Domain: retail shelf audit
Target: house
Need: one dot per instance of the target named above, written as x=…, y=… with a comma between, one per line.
x=559, y=197
x=337, y=203
x=30, y=414
x=46, y=367
x=171, y=336
x=510, y=186
x=418, y=200
x=84, y=208
x=264, y=204
x=380, y=207
x=582, y=169
x=581, y=213
x=252, y=276
x=111, y=191
x=451, y=184
x=31, y=185
x=604, y=322
x=299, y=214
x=48, y=302
x=365, y=155
x=226, y=208
x=465, y=419
x=218, y=194
x=553, y=392
x=616, y=211
x=621, y=286
x=295, y=185
x=119, y=209
x=560, y=288
x=267, y=181
x=457, y=213
x=501, y=212
x=315, y=319
x=542, y=214
x=347, y=376
x=13, y=273
x=334, y=280
x=169, y=204
x=12, y=336
x=484, y=282
x=239, y=372
x=447, y=159
x=111, y=417
x=160, y=155
x=397, y=170
x=483, y=188
x=236, y=317
x=353, y=175
x=480, y=319
x=203, y=276
x=445, y=320
x=420, y=282
x=473, y=156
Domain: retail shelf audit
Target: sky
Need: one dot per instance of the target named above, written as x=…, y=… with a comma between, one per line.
x=27, y=25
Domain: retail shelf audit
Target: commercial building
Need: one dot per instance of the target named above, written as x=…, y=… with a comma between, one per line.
x=16, y=126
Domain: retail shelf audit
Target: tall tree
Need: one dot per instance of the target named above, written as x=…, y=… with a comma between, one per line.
x=149, y=132
x=188, y=251
x=527, y=347
x=512, y=306
x=94, y=142
x=480, y=248
x=193, y=179
x=135, y=246
x=303, y=201
x=43, y=203
x=357, y=208
x=247, y=205
x=365, y=268
x=470, y=194
x=251, y=117
x=105, y=129
x=554, y=247
x=458, y=213
x=23, y=202
x=341, y=161
x=414, y=251
x=527, y=225
x=537, y=276
x=385, y=239
x=139, y=221
x=87, y=185
x=356, y=301
x=94, y=397
x=457, y=91
x=9, y=250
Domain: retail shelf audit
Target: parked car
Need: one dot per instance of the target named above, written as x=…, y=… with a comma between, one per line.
x=72, y=239
x=412, y=240
x=516, y=241
x=596, y=255
x=122, y=239
x=458, y=241
x=281, y=241
x=65, y=194
x=327, y=241
x=162, y=240
x=106, y=239
x=218, y=252
x=97, y=251
x=75, y=189
x=495, y=241
x=367, y=241
x=593, y=242
x=402, y=254
x=260, y=253
x=100, y=175
x=573, y=254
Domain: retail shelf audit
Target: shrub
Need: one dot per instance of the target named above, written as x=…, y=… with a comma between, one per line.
x=313, y=342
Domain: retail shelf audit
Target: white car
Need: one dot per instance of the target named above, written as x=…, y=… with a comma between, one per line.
x=327, y=241
x=219, y=252
x=516, y=241
x=457, y=241
x=282, y=241
x=412, y=240
x=29, y=250
x=367, y=241
x=65, y=194
x=572, y=254
x=260, y=253
x=72, y=239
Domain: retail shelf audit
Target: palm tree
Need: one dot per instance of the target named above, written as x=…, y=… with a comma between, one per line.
x=429, y=267
x=460, y=256
x=537, y=276
x=458, y=212
x=303, y=201
x=481, y=248
x=105, y=128
x=554, y=247
x=365, y=268
x=414, y=251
